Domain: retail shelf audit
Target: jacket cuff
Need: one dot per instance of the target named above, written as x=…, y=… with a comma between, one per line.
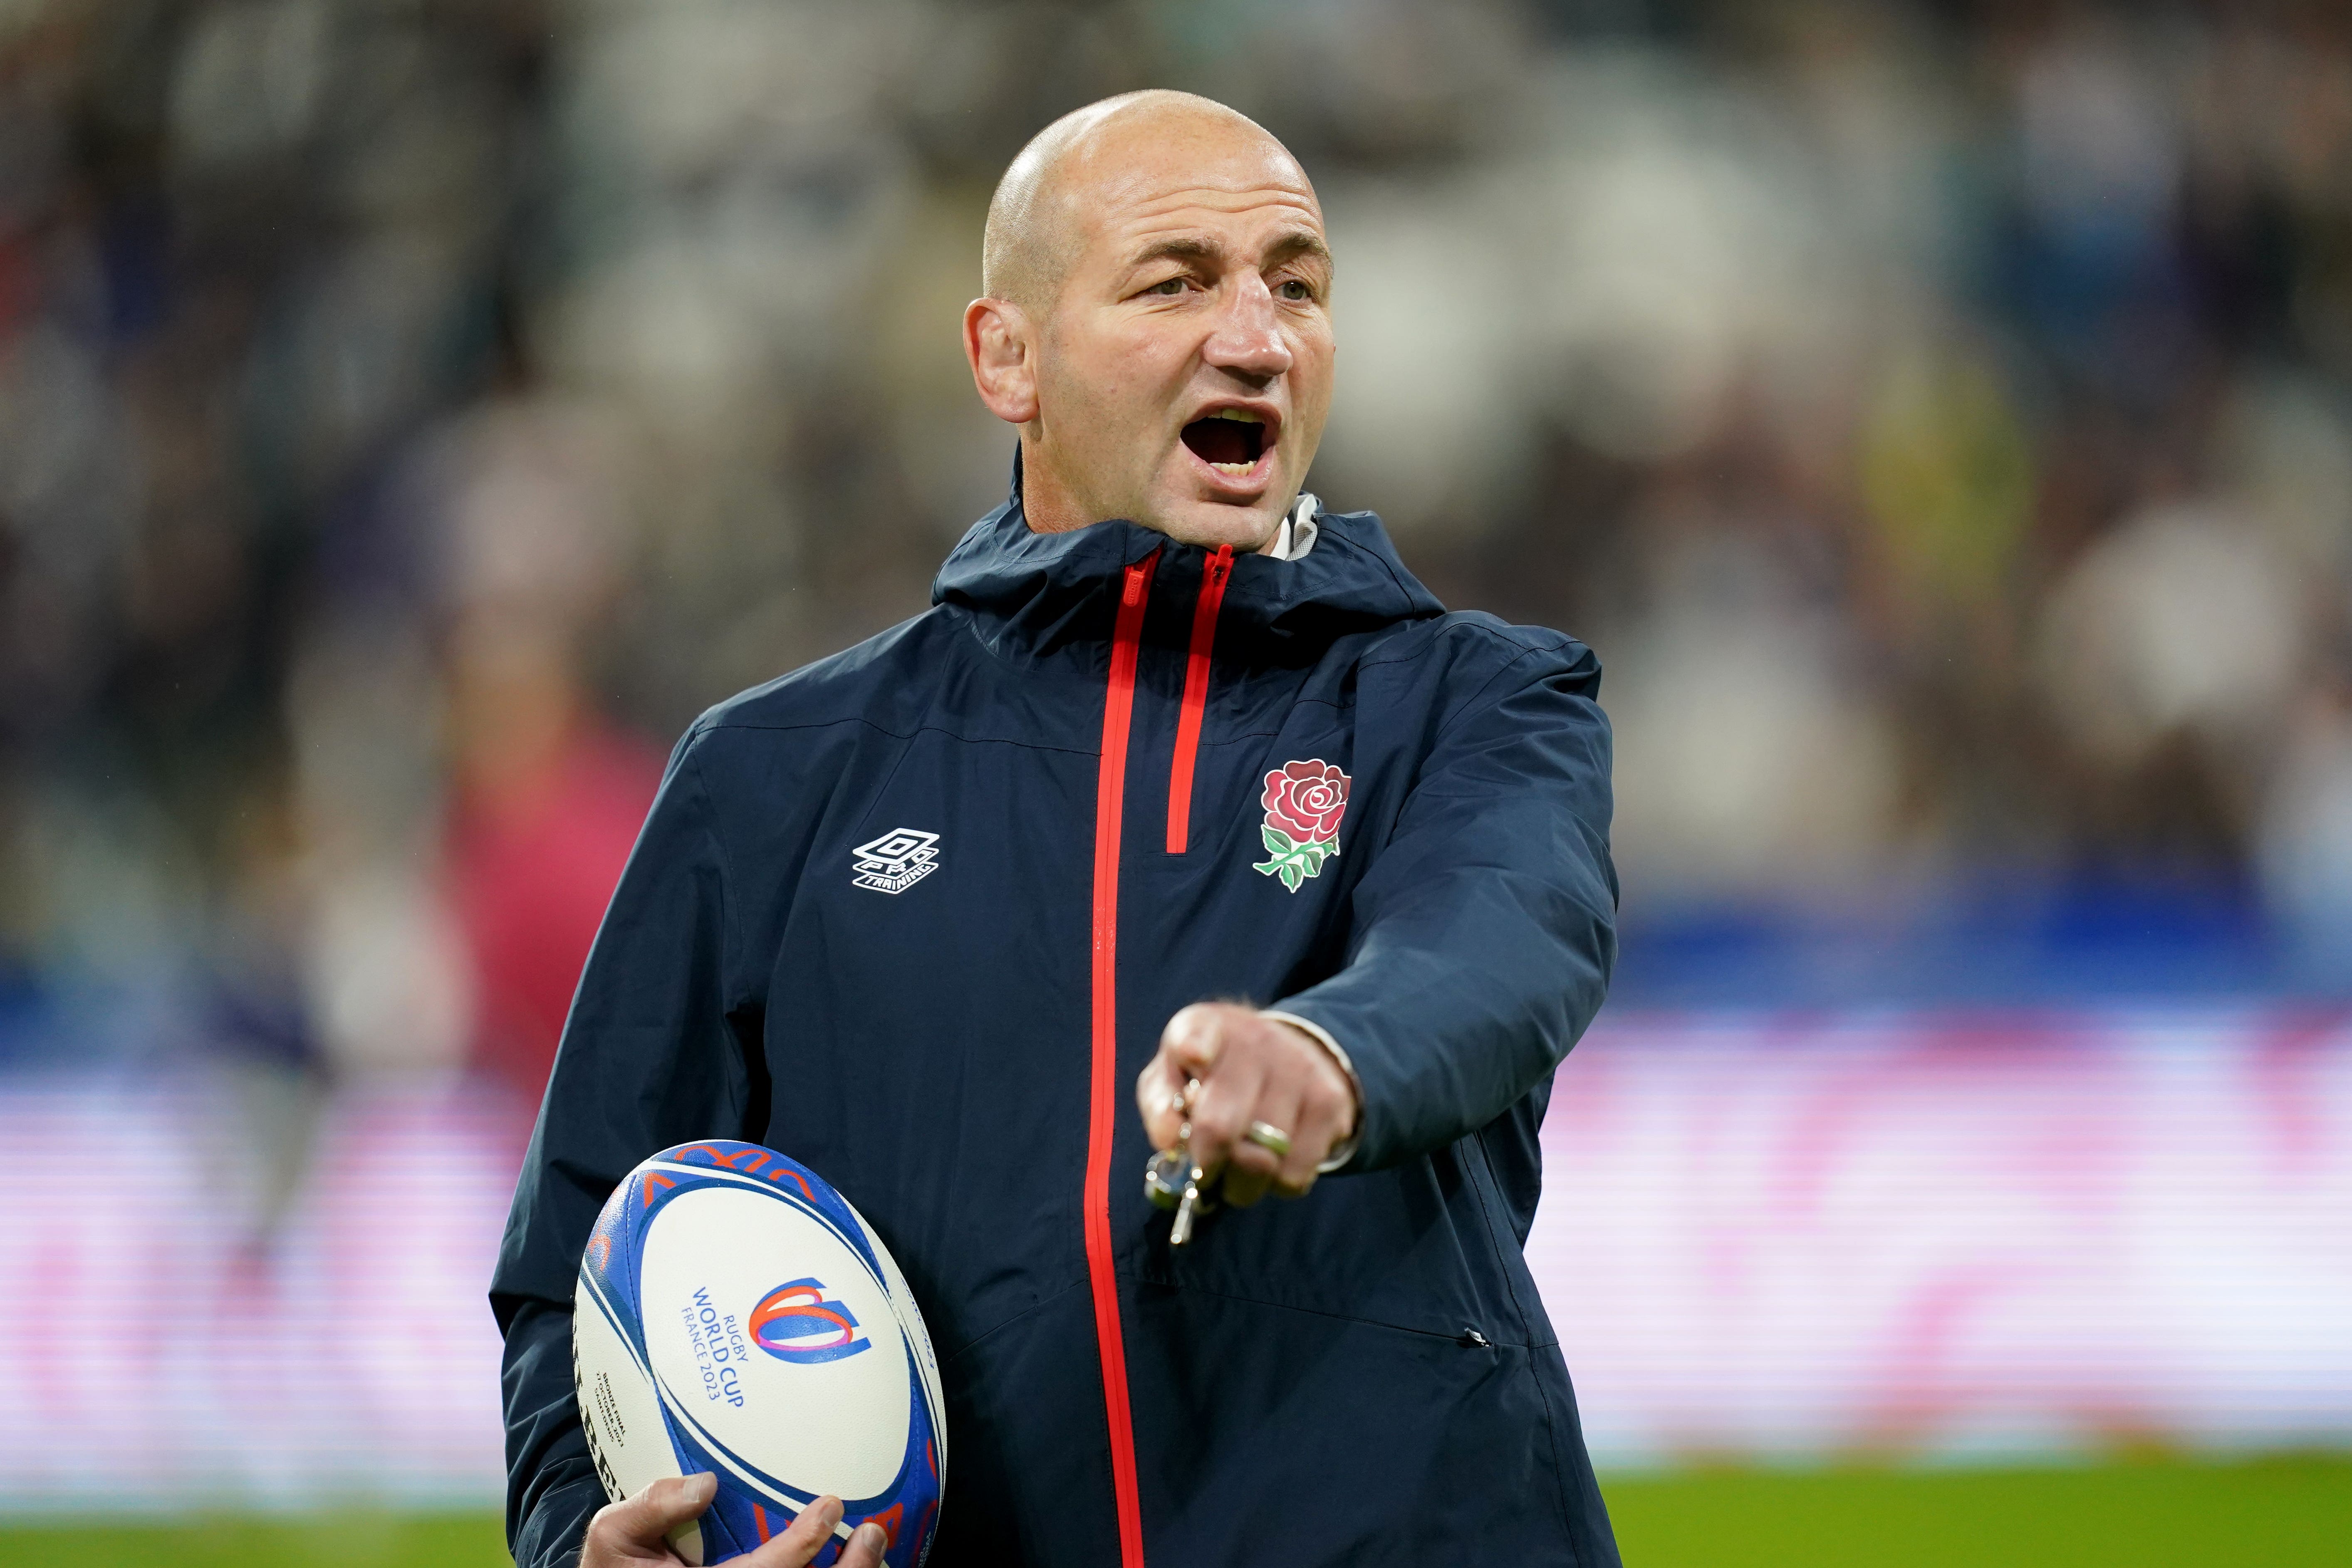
x=1344, y=1150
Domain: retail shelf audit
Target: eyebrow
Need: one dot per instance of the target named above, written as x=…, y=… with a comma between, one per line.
x=1301, y=242
x=1199, y=248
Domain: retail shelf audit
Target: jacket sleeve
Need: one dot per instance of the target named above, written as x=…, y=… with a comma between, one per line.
x=649, y=1058
x=1484, y=934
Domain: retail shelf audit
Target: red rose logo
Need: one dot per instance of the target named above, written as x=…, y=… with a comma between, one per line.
x=1304, y=803
x=1306, y=800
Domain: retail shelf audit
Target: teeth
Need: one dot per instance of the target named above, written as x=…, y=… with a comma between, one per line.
x=1237, y=469
x=1239, y=417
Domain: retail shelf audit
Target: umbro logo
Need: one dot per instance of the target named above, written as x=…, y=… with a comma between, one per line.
x=896, y=861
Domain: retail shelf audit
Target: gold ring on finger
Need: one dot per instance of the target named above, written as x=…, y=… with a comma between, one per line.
x=1268, y=1137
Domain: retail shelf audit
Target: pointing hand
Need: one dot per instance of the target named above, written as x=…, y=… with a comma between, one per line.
x=1254, y=1073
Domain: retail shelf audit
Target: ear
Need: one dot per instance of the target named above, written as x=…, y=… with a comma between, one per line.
x=1001, y=343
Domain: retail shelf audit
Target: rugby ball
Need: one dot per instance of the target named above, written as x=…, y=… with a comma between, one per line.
x=735, y=1314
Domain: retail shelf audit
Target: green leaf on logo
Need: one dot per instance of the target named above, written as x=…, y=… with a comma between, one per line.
x=1293, y=861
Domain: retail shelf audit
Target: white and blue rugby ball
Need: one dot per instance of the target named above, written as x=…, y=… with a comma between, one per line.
x=734, y=1314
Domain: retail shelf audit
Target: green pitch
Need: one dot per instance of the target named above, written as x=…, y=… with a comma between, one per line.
x=326, y=1541
x=2288, y=1512
x=2152, y=1514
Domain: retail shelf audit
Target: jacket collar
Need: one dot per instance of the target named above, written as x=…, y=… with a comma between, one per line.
x=1032, y=591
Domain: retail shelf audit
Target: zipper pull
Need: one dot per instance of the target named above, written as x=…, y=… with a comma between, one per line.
x=1133, y=593
x=1214, y=576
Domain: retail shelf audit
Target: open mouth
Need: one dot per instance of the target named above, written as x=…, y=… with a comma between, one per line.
x=1230, y=440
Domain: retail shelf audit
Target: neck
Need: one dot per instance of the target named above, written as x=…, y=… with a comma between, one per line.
x=1046, y=500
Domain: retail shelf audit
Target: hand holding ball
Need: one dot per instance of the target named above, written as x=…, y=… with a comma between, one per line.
x=752, y=1368
x=638, y=1530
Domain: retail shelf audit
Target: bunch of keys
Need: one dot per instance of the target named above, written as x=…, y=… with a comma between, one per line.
x=1171, y=1179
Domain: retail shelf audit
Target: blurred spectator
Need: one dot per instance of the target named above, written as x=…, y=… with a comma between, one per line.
x=546, y=793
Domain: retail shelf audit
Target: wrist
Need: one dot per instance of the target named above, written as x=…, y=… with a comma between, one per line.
x=1345, y=1149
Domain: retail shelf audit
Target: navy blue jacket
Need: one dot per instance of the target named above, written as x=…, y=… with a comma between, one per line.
x=1362, y=1376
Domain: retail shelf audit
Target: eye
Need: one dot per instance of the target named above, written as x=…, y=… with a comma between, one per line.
x=1295, y=288
x=1166, y=286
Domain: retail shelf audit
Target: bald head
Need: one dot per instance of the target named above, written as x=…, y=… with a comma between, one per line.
x=1156, y=320
x=1037, y=224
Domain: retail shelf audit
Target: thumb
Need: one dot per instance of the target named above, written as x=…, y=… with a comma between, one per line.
x=1159, y=1096
x=662, y=1507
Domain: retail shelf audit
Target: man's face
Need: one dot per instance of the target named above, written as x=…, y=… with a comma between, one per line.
x=1184, y=370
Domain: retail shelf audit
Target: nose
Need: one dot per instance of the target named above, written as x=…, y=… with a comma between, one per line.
x=1247, y=338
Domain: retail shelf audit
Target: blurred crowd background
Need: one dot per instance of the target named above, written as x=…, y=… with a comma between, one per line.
x=412, y=412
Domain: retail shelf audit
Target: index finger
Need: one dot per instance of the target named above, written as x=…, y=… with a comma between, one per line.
x=866, y=1547
x=806, y=1536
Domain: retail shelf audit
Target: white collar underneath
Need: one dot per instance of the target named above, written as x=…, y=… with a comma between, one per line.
x=1297, y=532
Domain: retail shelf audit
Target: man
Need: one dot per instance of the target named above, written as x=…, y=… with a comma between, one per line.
x=918, y=914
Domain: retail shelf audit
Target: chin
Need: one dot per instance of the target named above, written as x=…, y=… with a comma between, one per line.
x=1211, y=523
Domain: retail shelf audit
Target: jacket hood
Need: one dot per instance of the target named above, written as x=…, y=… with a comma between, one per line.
x=1042, y=589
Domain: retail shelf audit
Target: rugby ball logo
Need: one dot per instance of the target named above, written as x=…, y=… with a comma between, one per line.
x=688, y=1356
x=794, y=1323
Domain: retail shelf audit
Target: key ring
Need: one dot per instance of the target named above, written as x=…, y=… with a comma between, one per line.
x=1171, y=1179
x=1167, y=1172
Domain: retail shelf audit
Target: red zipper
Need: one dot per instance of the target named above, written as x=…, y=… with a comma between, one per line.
x=1110, y=793
x=1213, y=578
